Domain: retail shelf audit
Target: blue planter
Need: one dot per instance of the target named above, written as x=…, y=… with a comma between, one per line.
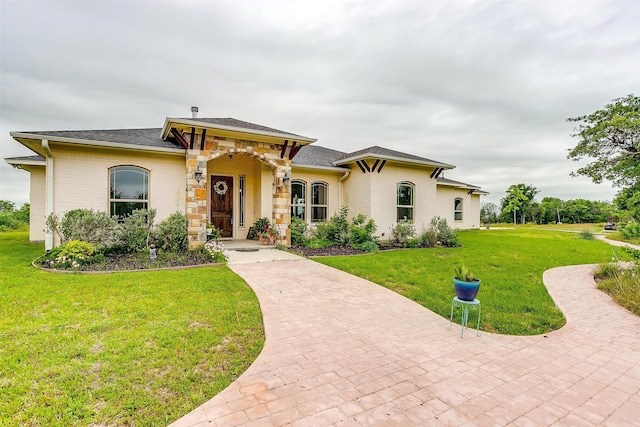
x=466, y=291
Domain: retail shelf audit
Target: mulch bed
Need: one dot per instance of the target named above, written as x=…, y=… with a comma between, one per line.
x=328, y=251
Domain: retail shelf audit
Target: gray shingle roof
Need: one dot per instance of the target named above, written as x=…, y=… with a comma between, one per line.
x=311, y=155
x=447, y=181
x=385, y=152
x=145, y=137
x=231, y=122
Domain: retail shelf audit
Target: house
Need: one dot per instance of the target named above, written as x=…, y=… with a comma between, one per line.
x=230, y=172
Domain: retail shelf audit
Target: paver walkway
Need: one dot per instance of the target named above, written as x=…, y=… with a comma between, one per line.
x=342, y=351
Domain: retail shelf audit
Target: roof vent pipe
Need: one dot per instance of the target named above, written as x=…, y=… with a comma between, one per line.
x=194, y=112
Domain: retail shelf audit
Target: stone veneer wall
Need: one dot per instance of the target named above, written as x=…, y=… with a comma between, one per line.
x=196, y=196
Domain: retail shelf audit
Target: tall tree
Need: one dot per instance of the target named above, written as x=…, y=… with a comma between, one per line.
x=610, y=136
x=519, y=198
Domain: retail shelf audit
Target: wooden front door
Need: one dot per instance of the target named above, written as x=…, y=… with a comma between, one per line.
x=222, y=204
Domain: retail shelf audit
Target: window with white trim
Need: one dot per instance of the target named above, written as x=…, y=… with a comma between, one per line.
x=128, y=190
x=298, y=199
x=457, y=209
x=318, y=201
x=404, y=201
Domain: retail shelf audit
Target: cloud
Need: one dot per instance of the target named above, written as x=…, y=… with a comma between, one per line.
x=485, y=85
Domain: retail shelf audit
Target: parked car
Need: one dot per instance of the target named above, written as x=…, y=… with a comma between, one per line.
x=610, y=226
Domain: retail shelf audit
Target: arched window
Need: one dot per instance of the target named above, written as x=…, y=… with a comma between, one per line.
x=457, y=209
x=128, y=190
x=404, y=202
x=298, y=199
x=318, y=201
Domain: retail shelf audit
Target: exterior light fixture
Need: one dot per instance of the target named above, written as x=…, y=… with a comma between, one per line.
x=198, y=174
x=286, y=178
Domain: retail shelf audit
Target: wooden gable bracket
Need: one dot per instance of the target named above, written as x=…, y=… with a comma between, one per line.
x=284, y=148
x=176, y=133
x=360, y=166
x=294, y=150
x=384, y=162
x=436, y=172
x=202, y=140
x=193, y=137
x=471, y=191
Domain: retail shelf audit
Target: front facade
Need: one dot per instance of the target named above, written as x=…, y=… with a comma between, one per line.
x=228, y=173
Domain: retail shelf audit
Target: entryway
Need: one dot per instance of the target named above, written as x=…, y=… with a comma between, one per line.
x=222, y=204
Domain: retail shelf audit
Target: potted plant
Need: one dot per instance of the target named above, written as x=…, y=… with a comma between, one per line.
x=263, y=238
x=465, y=283
x=261, y=226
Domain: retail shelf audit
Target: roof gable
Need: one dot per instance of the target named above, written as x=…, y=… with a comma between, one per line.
x=387, y=154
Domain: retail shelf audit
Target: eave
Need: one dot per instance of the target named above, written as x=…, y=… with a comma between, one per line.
x=321, y=168
x=33, y=141
x=25, y=164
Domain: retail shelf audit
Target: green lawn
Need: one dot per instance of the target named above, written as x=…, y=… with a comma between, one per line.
x=509, y=263
x=117, y=349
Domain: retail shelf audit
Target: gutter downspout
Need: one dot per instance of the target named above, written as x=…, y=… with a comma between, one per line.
x=48, y=208
x=346, y=174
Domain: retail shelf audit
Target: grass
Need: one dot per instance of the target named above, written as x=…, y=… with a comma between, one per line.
x=509, y=263
x=117, y=349
x=622, y=285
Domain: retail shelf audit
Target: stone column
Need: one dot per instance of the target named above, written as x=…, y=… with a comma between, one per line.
x=282, y=205
x=196, y=203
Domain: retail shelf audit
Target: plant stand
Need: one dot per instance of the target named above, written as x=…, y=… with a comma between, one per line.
x=465, y=306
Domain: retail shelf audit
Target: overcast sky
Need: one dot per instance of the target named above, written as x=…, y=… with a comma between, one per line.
x=484, y=85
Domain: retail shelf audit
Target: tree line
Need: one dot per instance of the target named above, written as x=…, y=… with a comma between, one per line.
x=610, y=139
x=520, y=206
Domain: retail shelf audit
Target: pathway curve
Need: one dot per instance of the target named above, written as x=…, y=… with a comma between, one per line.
x=342, y=351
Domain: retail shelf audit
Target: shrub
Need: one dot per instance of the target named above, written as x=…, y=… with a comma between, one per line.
x=171, y=233
x=428, y=238
x=447, y=236
x=361, y=230
x=73, y=254
x=630, y=230
x=606, y=271
x=335, y=230
x=216, y=250
x=369, y=246
x=136, y=229
x=586, y=235
x=8, y=221
x=403, y=231
x=299, y=232
x=85, y=225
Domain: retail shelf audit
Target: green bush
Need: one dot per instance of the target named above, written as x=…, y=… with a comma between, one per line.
x=8, y=221
x=369, y=246
x=136, y=230
x=361, y=230
x=299, y=232
x=85, y=225
x=630, y=230
x=73, y=254
x=428, y=238
x=171, y=233
x=403, y=231
x=447, y=236
x=12, y=219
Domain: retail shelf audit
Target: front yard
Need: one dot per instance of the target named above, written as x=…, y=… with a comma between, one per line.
x=145, y=348
x=117, y=349
x=509, y=263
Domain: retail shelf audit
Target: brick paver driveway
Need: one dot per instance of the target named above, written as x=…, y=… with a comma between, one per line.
x=343, y=351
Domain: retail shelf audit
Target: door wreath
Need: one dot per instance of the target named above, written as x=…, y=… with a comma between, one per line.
x=221, y=188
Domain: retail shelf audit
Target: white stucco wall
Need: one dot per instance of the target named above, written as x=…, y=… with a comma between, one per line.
x=470, y=207
x=82, y=181
x=37, y=198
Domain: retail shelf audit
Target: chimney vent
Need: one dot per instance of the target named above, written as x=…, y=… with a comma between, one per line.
x=194, y=112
